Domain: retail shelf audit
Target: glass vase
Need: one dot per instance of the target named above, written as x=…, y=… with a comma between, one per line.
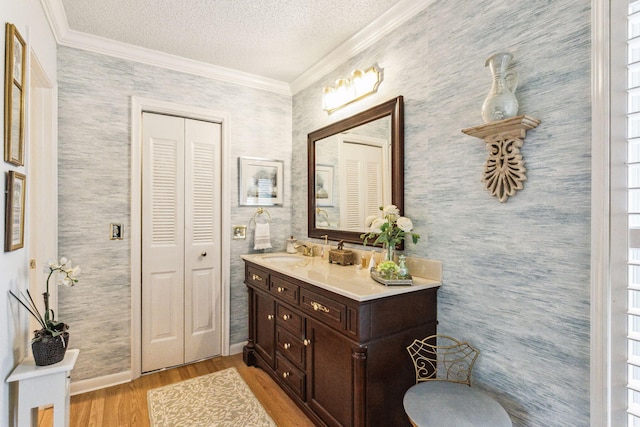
x=389, y=252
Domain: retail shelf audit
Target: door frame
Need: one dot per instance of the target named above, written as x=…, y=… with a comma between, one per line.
x=138, y=106
x=42, y=170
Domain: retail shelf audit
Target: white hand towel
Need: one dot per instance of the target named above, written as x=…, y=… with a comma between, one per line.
x=262, y=237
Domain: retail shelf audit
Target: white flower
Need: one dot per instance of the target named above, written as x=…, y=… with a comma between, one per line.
x=404, y=224
x=63, y=261
x=376, y=225
x=391, y=210
x=369, y=220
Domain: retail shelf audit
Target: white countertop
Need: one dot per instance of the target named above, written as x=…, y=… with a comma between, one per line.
x=348, y=281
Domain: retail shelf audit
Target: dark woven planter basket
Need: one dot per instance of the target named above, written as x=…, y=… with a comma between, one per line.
x=50, y=350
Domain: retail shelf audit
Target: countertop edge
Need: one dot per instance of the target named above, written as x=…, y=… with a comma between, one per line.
x=419, y=284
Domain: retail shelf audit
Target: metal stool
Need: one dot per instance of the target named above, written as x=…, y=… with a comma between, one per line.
x=448, y=400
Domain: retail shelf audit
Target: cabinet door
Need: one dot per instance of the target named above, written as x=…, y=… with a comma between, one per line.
x=329, y=375
x=265, y=326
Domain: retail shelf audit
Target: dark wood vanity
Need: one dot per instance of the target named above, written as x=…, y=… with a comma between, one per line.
x=342, y=360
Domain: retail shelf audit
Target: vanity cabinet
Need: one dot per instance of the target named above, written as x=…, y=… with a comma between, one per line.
x=343, y=361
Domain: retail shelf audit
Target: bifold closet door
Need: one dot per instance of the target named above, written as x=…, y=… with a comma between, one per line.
x=180, y=241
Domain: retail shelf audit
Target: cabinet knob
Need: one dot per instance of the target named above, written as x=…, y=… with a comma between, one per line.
x=306, y=342
x=286, y=374
x=286, y=346
x=204, y=253
x=280, y=289
x=286, y=317
x=270, y=317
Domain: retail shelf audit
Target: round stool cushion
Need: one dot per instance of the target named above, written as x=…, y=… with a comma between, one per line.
x=447, y=404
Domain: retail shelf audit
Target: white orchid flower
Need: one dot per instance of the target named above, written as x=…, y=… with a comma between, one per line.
x=63, y=261
x=404, y=224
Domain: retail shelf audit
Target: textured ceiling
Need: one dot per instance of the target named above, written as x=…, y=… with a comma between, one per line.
x=276, y=39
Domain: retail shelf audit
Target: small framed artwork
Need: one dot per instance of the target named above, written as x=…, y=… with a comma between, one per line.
x=116, y=231
x=239, y=232
x=261, y=182
x=15, y=206
x=324, y=185
x=14, y=96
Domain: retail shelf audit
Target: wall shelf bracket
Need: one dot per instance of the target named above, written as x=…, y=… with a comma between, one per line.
x=504, y=170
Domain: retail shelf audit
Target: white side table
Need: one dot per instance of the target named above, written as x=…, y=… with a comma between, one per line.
x=43, y=385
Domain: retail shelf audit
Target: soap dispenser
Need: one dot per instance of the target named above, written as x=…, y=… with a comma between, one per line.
x=291, y=245
x=403, y=271
x=325, y=249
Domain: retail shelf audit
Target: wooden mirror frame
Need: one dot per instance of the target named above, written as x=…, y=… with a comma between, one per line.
x=393, y=108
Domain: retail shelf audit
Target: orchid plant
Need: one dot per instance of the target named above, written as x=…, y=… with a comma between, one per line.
x=63, y=273
x=389, y=230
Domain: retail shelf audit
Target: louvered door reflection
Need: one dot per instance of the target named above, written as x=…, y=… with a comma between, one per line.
x=180, y=241
x=362, y=166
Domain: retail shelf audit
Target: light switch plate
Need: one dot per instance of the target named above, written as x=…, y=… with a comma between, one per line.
x=116, y=231
x=239, y=232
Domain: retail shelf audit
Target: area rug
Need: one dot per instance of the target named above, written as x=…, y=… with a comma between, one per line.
x=221, y=399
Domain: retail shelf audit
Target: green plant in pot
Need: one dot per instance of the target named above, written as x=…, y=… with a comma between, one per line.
x=50, y=342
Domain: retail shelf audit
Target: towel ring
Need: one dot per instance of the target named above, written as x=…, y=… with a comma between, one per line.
x=260, y=211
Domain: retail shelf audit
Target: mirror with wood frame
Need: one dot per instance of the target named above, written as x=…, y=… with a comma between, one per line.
x=355, y=166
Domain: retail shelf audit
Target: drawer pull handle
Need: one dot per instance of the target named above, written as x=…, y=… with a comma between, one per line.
x=286, y=374
x=270, y=317
x=306, y=342
x=256, y=277
x=281, y=289
x=286, y=317
x=319, y=307
x=286, y=346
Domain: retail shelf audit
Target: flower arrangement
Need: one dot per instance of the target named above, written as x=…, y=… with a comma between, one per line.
x=389, y=230
x=63, y=274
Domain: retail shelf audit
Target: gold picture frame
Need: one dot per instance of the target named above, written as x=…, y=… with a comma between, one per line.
x=15, y=207
x=14, y=95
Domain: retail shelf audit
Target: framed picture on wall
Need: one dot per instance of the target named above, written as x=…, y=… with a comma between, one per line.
x=15, y=206
x=261, y=182
x=324, y=185
x=14, y=96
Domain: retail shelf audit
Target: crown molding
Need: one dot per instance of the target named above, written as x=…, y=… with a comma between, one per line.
x=55, y=13
x=387, y=22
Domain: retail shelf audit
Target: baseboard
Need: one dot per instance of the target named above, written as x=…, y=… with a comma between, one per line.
x=236, y=348
x=84, y=386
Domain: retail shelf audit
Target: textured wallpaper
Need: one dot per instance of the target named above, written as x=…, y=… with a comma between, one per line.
x=516, y=274
x=94, y=189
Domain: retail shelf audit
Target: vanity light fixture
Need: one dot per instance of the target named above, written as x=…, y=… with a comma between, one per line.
x=346, y=91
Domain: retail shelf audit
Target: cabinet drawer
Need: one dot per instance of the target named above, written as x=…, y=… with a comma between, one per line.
x=291, y=376
x=257, y=277
x=290, y=346
x=288, y=291
x=326, y=310
x=289, y=319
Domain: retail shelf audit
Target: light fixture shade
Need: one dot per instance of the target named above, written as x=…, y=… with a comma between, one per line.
x=346, y=91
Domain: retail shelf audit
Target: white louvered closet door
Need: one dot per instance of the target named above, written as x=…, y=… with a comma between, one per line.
x=180, y=247
x=362, y=167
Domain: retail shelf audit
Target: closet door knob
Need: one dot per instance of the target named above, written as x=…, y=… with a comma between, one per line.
x=204, y=253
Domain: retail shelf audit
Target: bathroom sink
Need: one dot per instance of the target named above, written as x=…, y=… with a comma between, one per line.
x=291, y=260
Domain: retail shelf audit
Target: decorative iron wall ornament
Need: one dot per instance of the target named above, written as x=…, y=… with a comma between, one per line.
x=504, y=170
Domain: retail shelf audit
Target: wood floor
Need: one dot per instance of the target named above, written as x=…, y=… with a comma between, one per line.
x=125, y=405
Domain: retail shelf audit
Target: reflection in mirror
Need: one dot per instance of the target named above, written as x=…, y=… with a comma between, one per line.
x=353, y=170
x=355, y=166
